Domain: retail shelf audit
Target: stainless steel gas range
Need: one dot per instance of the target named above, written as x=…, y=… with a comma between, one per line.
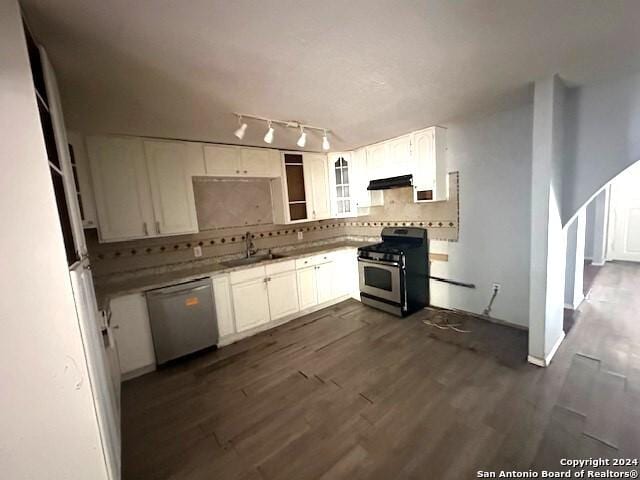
x=394, y=274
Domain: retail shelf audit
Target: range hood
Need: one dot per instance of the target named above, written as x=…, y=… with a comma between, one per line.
x=391, y=182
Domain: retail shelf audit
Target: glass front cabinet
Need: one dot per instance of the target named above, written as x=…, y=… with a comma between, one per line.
x=342, y=202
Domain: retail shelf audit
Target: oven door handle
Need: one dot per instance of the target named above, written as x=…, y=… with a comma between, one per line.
x=379, y=262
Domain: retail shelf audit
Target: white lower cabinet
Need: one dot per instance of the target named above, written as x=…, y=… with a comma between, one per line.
x=131, y=328
x=250, y=303
x=324, y=282
x=307, y=294
x=223, y=305
x=283, y=295
x=345, y=268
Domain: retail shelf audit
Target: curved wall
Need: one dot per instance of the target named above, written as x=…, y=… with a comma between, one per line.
x=602, y=138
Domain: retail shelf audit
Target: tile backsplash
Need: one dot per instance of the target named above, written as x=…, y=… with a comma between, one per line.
x=439, y=218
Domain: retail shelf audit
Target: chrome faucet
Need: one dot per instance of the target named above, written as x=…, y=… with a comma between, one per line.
x=250, y=247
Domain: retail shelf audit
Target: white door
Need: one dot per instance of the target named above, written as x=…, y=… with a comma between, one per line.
x=324, y=282
x=105, y=397
x=343, y=202
x=307, y=293
x=316, y=179
x=171, y=187
x=399, y=156
x=121, y=188
x=624, y=216
x=222, y=160
x=260, y=162
x=283, y=295
x=250, y=303
x=223, y=305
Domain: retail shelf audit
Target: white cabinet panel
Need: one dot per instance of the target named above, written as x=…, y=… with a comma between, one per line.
x=430, y=164
x=307, y=293
x=324, y=282
x=345, y=272
x=170, y=178
x=80, y=161
x=223, y=305
x=121, y=187
x=283, y=295
x=130, y=323
x=341, y=188
x=316, y=178
x=260, y=162
x=377, y=161
x=222, y=160
x=399, y=158
x=250, y=304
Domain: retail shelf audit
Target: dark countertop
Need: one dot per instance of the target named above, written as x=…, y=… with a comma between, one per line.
x=207, y=268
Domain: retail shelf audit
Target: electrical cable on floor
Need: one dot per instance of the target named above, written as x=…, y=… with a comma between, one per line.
x=441, y=321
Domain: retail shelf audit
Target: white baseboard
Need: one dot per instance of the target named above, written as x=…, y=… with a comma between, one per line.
x=547, y=360
x=598, y=264
x=576, y=305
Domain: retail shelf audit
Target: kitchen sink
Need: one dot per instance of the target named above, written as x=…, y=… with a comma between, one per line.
x=251, y=260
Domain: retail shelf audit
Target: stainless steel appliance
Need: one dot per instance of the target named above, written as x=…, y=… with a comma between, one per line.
x=394, y=274
x=182, y=319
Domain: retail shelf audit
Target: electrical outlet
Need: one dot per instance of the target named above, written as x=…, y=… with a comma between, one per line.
x=300, y=236
x=197, y=251
x=496, y=287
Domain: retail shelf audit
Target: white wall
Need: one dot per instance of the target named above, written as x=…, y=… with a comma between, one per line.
x=493, y=156
x=49, y=427
x=603, y=137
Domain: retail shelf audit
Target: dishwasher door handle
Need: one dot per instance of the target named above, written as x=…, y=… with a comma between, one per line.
x=177, y=292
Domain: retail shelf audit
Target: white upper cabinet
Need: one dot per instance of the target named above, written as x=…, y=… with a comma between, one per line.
x=302, y=193
x=260, y=162
x=343, y=203
x=121, y=188
x=171, y=166
x=359, y=180
x=232, y=161
x=316, y=177
x=222, y=160
x=377, y=165
x=82, y=175
x=143, y=188
x=430, y=164
x=399, y=156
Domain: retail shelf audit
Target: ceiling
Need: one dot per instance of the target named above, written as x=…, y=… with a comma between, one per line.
x=366, y=69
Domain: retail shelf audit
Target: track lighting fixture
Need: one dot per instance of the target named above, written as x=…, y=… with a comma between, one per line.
x=241, y=129
x=302, y=141
x=325, y=142
x=268, y=138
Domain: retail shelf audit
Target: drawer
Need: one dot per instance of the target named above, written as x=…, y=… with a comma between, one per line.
x=304, y=262
x=247, y=274
x=324, y=257
x=279, y=267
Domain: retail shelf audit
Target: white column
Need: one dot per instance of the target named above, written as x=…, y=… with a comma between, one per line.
x=547, y=262
x=600, y=225
x=574, y=270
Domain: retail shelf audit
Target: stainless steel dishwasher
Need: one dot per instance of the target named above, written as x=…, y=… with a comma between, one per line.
x=183, y=319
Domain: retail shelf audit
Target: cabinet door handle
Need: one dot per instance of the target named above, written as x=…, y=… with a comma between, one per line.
x=245, y=171
x=144, y=227
x=237, y=171
x=157, y=226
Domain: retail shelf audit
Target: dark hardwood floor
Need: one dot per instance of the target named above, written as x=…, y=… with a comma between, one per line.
x=350, y=392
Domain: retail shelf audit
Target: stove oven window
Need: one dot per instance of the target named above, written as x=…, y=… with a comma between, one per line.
x=378, y=278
